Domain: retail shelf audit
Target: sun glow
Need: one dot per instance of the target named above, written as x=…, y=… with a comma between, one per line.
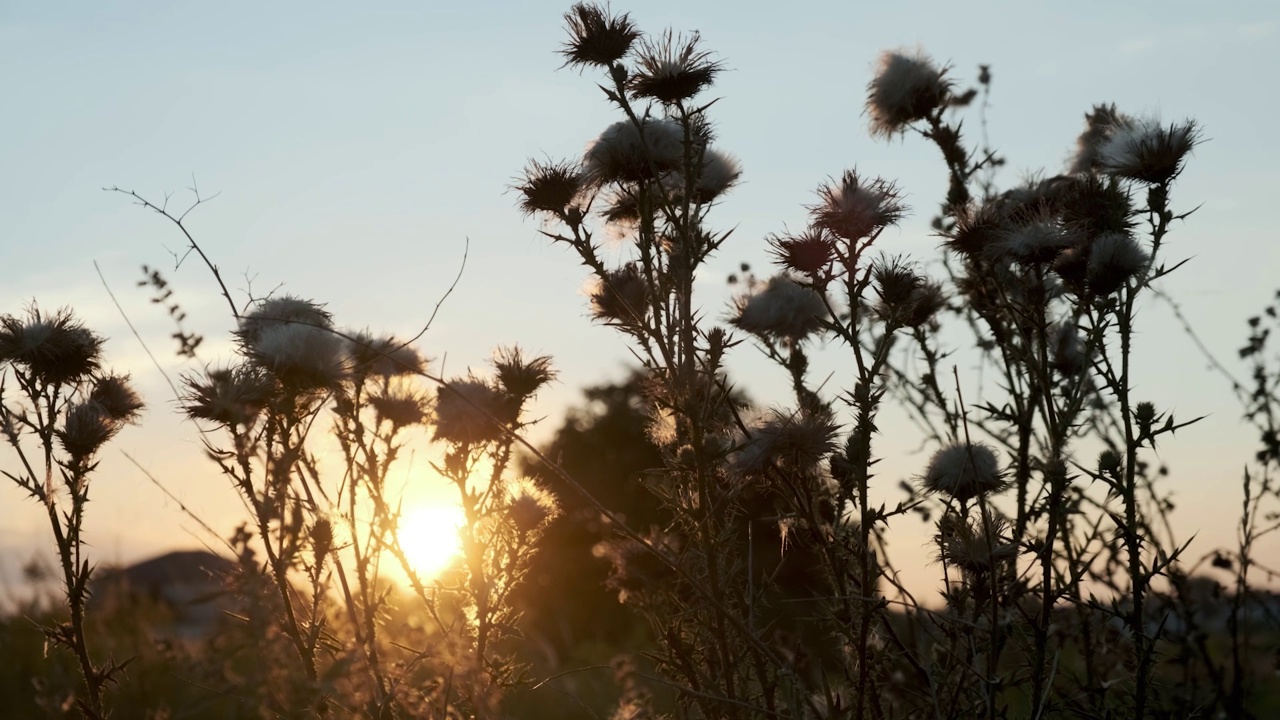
x=429, y=536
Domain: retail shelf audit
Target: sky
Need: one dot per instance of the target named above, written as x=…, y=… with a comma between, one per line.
x=357, y=153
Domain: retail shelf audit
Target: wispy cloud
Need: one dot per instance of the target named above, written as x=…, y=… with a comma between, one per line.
x=1256, y=30
x=1135, y=47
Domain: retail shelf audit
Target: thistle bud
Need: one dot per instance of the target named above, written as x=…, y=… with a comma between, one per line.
x=321, y=540
x=1109, y=462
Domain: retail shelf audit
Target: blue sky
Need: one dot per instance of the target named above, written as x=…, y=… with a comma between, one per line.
x=357, y=150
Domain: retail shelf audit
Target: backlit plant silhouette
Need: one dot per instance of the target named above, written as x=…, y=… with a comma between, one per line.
x=762, y=569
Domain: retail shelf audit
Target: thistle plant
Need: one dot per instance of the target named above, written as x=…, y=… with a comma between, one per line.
x=58, y=408
x=759, y=555
x=340, y=534
x=1048, y=276
x=297, y=388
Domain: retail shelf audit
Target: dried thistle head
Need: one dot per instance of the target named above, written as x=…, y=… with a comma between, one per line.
x=321, y=536
x=719, y=172
x=630, y=151
x=621, y=297
x=470, y=411
x=896, y=282
x=1115, y=259
x=384, y=356
x=782, y=309
x=86, y=428
x=964, y=471
x=521, y=376
x=810, y=253
x=1093, y=205
x=1035, y=240
x=550, y=187
x=672, y=68
x=1097, y=126
x=906, y=88
x=597, y=37
x=854, y=208
x=977, y=229
x=531, y=507
x=400, y=406
x=232, y=397
x=116, y=397
x=973, y=547
x=636, y=567
x=302, y=357
x=54, y=349
x=924, y=304
x=795, y=441
x=1147, y=150
x=1072, y=267
x=280, y=311
x=1066, y=350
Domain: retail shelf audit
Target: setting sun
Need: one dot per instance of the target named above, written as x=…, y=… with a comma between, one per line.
x=429, y=536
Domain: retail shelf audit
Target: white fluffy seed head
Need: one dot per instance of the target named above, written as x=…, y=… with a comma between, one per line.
x=855, y=207
x=907, y=87
x=283, y=310
x=963, y=471
x=631, y=152
x=1147, y=150
x=783, y=309
x=1038, y=240
x=301, y=356
x=471, y=411
x=720, y=171
x=1114, y=259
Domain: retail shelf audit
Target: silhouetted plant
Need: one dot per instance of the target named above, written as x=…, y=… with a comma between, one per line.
x=58, y=408
x=1047, y=275
x=752, y=538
